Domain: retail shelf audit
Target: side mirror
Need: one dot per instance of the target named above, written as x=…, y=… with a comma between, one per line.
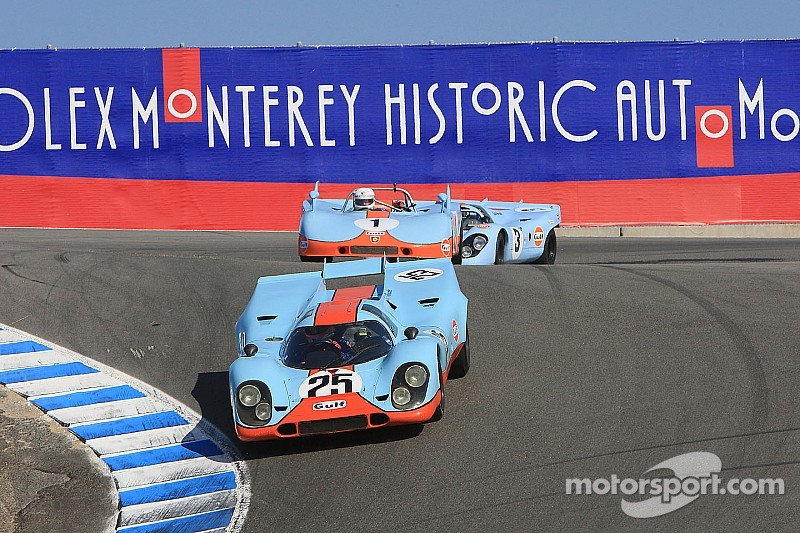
x=313, y=195
x=250, y=350
x=442, y=197
x=411, y=333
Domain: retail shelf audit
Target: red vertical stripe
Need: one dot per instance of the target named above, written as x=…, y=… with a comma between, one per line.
x=182, y=92
x=714, y=136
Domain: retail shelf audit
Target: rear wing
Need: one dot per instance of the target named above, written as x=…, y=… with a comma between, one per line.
x=350, y=269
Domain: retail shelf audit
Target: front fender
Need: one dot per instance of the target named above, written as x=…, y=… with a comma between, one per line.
x=486, y=255
x=420, y=350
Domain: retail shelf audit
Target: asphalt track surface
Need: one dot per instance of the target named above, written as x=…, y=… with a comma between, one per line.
x=625, y=353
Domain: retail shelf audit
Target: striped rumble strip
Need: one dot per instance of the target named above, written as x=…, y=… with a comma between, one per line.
x=173, y=471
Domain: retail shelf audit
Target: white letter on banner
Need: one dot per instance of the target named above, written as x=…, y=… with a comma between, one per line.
x=774, y=124
x=417, y=125
x=756, y=102
x=351, y=112
x=515, y=95
x=295, y=95
x=245, y=90
x=681, y=85
x=105, y=125
x=648, y=112
x=497, y=98
x=146, y=114
x=29, y=108
x=389, y=101
x=74, y=104
x=48, y=132
x=622, y=97
x=542, y=133
x=459, y=113
x=323, y=101
x=215, y=116
x=564, y=133
x=438, y=112
x=269, y=102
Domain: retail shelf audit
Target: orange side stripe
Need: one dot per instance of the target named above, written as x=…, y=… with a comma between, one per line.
x=334, y=313
x=353, y=293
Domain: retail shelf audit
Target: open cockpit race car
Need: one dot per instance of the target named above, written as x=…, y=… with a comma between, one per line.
x=332, y=351
x=468, y=232
x=389, y=223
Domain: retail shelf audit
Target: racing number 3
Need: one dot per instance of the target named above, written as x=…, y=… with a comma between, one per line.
x=517, y=240
x=335, y=384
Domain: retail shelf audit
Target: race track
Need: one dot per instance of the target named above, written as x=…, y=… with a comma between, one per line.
x=625, y=353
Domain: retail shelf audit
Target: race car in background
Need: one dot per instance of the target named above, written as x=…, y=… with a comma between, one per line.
x=469, y=232
x=507, y=232
x=314, y=358
x=391, y=224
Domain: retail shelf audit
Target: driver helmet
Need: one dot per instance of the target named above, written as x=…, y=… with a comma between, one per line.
x=363, y=198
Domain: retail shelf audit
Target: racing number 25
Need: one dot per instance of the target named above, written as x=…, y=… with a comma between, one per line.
x=335, y=384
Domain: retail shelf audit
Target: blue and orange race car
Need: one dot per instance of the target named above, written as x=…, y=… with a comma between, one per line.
x=332, y=351
x=469, y=232
x=389, y=223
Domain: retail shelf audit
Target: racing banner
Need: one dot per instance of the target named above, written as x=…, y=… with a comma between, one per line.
x=234, y=138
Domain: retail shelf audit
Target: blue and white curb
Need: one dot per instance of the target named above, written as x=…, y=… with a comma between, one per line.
x=173, y=471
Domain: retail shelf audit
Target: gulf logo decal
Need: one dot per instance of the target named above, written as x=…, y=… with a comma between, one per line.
x=538, y=236
x=182, y=92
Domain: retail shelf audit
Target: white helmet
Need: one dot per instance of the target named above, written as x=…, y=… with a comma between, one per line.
x=363, y=198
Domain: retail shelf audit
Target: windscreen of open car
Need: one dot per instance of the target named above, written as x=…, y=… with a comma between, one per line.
x=312, y=347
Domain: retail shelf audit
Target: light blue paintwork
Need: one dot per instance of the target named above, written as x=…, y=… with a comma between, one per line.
x=293, y=298
x=436, y=221
x=334, y=220
x=517, y=222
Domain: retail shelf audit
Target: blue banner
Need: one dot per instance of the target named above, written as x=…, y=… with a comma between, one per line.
x=538, y=112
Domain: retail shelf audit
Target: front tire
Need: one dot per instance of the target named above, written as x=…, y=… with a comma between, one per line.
x=460, y=366
x=549, y=253
x=314, y=259
x=500, y=250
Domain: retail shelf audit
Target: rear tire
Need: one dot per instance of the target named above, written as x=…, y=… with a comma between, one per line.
x=460, y=366
x=549, y=253
x=500, y=250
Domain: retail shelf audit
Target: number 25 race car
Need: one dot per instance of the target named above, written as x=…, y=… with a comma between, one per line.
x=313, y=358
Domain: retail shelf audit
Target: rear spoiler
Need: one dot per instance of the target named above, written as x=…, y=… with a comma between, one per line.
x=313, y=195
x=348, y=269
x=445, y=199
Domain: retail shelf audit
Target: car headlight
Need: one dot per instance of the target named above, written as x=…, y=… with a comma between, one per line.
x=249, y=395
x=401, y=396
x=466, y=251
x=479, y=242
x=415, y=376
x=263, y=411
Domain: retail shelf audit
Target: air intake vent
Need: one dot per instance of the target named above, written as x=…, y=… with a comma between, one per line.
x=266, y=318
x=428, y=302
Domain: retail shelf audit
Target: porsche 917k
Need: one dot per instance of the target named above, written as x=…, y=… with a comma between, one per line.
x=314, y=358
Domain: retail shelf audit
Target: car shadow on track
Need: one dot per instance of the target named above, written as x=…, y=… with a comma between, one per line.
x=211, y=393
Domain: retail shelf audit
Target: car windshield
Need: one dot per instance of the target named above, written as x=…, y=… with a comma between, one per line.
x=312, y=347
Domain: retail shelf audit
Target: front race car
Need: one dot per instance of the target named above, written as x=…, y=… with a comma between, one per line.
x=314, y=360
x=395, y=227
